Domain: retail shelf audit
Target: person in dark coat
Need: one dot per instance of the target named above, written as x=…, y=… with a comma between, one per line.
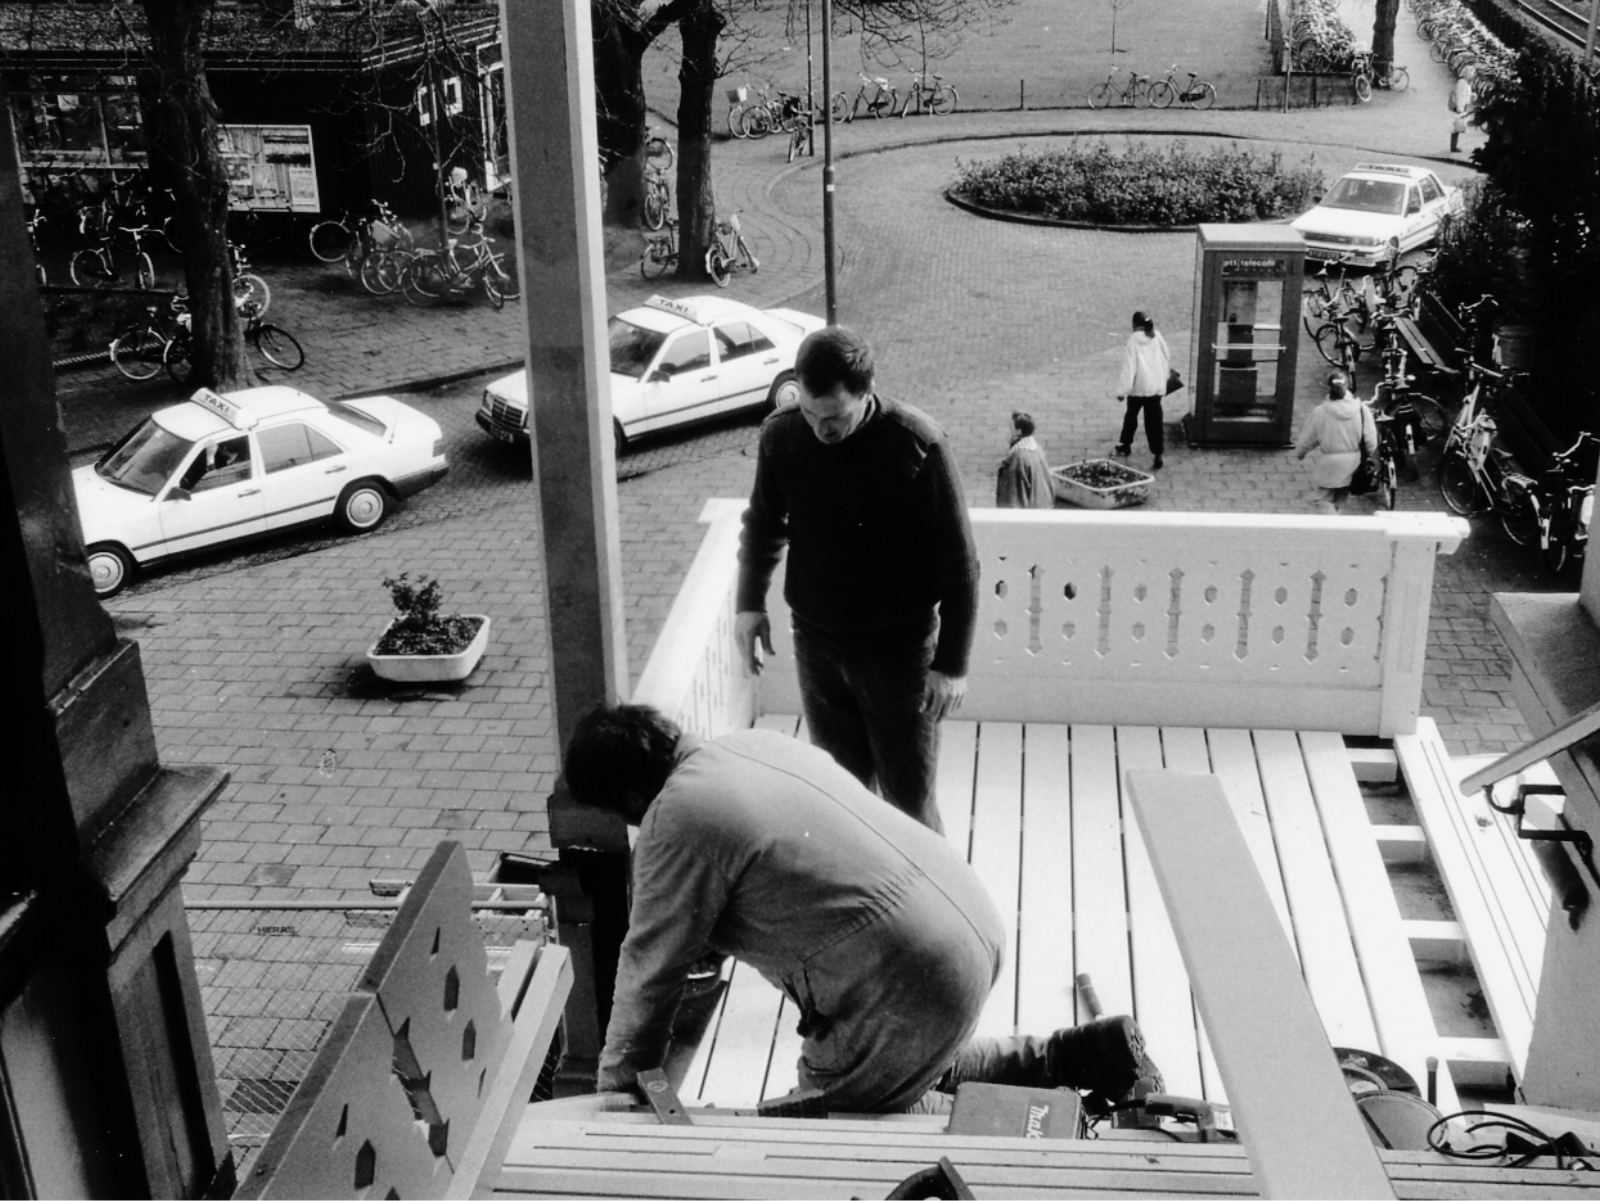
x=1024, y=481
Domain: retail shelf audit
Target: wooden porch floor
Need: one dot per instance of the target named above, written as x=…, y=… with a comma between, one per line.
x=1040, y=811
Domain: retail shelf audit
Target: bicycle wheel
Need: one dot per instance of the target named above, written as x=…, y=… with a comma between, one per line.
x=1457, y=484
x=757, y=121
x=144, y=271
x=658, y=151
x=944, y=101
x=330, y=241
x=734, y=114
x=457, y=217
x=492, y=275
x=1399, y=79
x=1363, y=88
x=1439, y=51
x=1431, y=421
x=718, y=266
x=172, y=234
x=1519, y=515
x=425, y=281
x=1388, y=478
x=510, y=279
x=87, y=269
x=1201, y=96
x=137, y=352
x=252, y=289
x=1558, y=541
x=797, y=141
x=839, y=107
x=1327, y=340
x=279, y=347
x=657, y=257
x=1313, y=309
x=176, y=357
x=1162, y=94
x=654, y=213
x=1101, y=95
x=377, y=276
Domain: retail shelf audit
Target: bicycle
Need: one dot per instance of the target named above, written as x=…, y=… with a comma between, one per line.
x=1338, y=345
x=139, y=349
x=657, y=153
x=274, y=343
x=937, y=99
x=248, y=288
x=1390, y=76
x=800, y=139
x=880, y=102
x=1361, y=74
x=1197, y=93
x=657, y=198
x=728, y=251
x=1389, y=453
x=103, y=265
x=660, y=252
x=1323, y=296
x=432, y=275
x=1478, y=476
x=1566, y=505
x=34, y=222
x=464, y=204
x=351, y=237
x=770, y=115
x=1138, y=87
x=1420, y=419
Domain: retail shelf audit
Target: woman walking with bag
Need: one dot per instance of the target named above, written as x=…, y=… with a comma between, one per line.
x=1145, y=364
x=1339, y=429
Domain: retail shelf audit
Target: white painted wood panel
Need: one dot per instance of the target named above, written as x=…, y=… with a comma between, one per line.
x=745, y=1033
x=958, y=766
x=1046, y=993
x=1099, y=898
x=996, y=857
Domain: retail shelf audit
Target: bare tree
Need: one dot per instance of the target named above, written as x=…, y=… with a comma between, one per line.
x=1383, y=23
x=1116, y=7
x=182, y=134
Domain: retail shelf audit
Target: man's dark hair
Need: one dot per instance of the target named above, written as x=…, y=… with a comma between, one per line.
x=1023, y=424
x=619, y=749
x=833, y=356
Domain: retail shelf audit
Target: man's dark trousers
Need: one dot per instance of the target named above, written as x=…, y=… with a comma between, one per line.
x=862, y=697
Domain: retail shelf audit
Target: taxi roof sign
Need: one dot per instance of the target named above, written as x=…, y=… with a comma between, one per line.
x=1391, y=169
x=230, y=412
x=678, y=308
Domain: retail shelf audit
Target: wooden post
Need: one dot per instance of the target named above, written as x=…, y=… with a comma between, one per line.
x=554, y=159
x=106, y=1080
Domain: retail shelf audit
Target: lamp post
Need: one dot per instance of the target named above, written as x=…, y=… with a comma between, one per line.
x=830, y=283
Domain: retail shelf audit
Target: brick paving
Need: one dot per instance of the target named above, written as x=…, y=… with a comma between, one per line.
x=258, y=665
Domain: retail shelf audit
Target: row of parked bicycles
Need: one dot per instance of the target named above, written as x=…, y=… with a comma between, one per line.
x=1365, y=326
x=1457, y=38
x=755, y=115
x=1157, y=93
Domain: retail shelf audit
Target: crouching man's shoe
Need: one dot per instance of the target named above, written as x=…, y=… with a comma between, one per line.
x=1106, y=1056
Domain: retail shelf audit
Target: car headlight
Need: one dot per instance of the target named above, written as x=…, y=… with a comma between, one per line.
x=1369, y=241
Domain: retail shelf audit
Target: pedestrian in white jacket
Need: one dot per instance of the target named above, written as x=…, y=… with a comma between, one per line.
x=1337, y=430
x=1145, y=363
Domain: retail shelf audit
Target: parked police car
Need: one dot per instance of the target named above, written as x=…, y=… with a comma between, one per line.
x=1375, y=209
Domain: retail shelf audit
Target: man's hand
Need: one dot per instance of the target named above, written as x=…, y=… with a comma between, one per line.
x=941, y=695
x=753, y=634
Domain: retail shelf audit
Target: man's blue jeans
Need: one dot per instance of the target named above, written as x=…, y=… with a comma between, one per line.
x=863, y=705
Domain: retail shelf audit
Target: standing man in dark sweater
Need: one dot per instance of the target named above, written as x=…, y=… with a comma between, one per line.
x=883, y=573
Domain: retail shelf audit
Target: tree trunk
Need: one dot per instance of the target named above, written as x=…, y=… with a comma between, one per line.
x=1383, y=31
x=697, y=81
x=620, y=111
x=183, y=141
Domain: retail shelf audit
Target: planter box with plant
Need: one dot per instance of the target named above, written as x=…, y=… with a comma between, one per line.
x=1101, y=484
x=420, y=645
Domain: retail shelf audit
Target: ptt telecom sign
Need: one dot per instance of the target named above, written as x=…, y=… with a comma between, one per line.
x=1254, y=267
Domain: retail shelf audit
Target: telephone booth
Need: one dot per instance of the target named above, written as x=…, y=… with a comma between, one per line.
x=1246, y=335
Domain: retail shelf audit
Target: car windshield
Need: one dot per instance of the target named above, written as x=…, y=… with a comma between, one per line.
x=145, y=458
x=1366, y=196
x=633, y=348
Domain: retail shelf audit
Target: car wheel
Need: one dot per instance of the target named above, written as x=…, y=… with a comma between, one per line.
x=785, y=391
x=110, y=568
x=362, y=507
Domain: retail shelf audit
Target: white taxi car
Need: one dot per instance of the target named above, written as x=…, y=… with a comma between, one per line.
x=219, y=468
x=675, y=362
x=1374, y=211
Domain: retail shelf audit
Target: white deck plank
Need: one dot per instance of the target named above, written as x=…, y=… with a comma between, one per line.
x=958, y=765
x=1161, y=999
x=694, y=1077
x=784, y=1073
x=1186, y=750
x=1406, y=1031
x=1046, y=995
x=996, y=857
x=1099, y=899
x=1327, y=956
x=743, y=1041
x=1233, y=759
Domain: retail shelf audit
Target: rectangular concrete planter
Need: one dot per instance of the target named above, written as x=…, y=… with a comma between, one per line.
x=431, y=669
x=1119, y=496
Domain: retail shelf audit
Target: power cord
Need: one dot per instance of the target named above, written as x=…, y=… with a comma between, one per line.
x=1522, y=1142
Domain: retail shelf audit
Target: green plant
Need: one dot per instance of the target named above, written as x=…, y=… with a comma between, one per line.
x=420, y=629
x=1092, y=182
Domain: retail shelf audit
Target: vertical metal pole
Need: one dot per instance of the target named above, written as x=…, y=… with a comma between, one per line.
x=831, y=283
x=1588, y=41
x=811, y=100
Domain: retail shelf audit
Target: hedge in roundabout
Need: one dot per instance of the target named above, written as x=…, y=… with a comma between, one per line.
x=1095, y=183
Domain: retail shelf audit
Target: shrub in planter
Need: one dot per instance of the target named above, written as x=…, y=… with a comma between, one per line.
x=1092, y=182
x=420, y=630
